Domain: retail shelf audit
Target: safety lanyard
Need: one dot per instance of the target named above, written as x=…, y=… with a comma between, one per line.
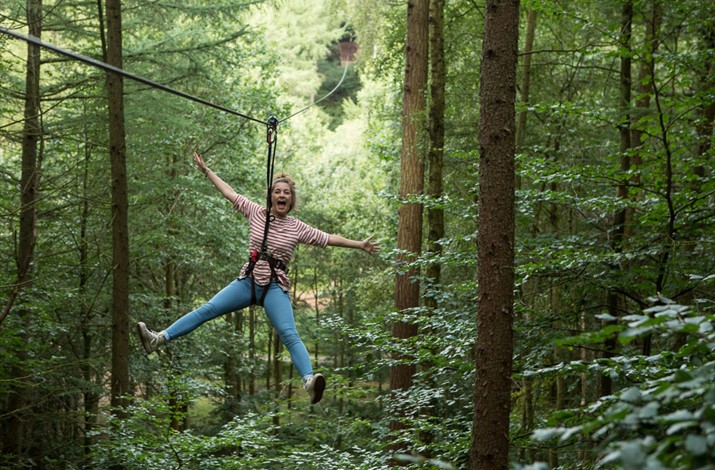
x=272, y=140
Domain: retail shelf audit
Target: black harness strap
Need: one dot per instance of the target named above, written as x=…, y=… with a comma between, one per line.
x=272, y=139
x=273, y=263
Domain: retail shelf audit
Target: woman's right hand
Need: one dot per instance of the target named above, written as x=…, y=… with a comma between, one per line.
x=199, y=162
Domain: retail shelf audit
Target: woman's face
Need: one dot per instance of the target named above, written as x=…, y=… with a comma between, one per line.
x=281, y=199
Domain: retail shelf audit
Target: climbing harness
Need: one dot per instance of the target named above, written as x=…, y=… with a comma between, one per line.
x=263, y=254
x=272, y=137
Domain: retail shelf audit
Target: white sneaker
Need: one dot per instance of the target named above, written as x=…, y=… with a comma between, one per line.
x=315, y=386
x=151, y=340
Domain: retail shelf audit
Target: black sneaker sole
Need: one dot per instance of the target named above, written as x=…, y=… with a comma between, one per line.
x=318, y=389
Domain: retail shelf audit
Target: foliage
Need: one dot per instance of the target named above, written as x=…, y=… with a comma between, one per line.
x=662, y=417
x=585, y=314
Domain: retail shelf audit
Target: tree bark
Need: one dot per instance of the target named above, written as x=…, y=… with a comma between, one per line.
x=409, y=231
x=645, y=81
x=706, y=110
x=435, y=158
x=13, y=419
x=527, y=382
x=644, y=86
x=269, y=355
x=29, y=178
x=120, y=209
x=252, y=349
x=91, y=396
x=495, y=240
x=277, y=373
x=435, y=214
x=614, y=303
x=317, y=312
x=525, y=78
x=232, y=379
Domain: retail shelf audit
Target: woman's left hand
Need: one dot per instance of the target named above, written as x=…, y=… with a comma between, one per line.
x=370, y=246
x=199, y=162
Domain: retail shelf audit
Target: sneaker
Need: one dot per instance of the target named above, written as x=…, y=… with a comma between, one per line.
x=151, y=340
x=315, y=386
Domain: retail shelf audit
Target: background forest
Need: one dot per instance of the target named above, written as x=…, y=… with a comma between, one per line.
x=614, y=345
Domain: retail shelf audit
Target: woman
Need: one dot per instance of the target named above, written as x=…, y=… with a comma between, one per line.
x=265, y=276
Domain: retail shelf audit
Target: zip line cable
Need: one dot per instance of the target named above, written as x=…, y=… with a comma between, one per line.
x=103, y=65
x=271, y=123
x=345, y=71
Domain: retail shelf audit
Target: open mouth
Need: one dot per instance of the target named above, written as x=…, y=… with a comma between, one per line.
x=281, y=204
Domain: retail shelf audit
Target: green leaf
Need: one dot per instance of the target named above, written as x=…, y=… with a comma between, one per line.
x=631, y=395
x=697, y=445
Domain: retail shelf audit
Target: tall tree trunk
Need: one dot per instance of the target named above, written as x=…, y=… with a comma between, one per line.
x=252, y=349
x=409, y=230
x=13, y=420
x=29, y=178
x=91, y=397
x=120, y=209
x=645, y=81
x=624, y=127
x=644, y=88
x=525, y=83
x=584, y=453
x=276, y=373
x=707, y=84
x=342, y=347
x=232, y=379
x=177, y=401
x=614, y=303
x=435, y=212
x=269, y=355
x=527, y=422
x=495, y=272
x=317, y=311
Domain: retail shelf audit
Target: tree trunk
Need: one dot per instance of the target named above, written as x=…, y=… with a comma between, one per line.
x=269, y=355
x=409, y=230
x=525, y=83
x=232, y=379
x=277, y=373
x=527, y=422
x=706, y=110
x=120, y=208
x=91, y=397
x=644, y=86
x=645, y=81
x=317, y=312
x=624, y=128
x=559, y=402
x=495, y=272
x=13, y=420
x=614, y=303
x=29, y=178
x=252, y=349
x=435, y=214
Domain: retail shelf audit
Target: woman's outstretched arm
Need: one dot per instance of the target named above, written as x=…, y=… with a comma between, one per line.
x=367, y=245
x=226, y=190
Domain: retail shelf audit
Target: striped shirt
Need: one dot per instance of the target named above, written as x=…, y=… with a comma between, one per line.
x=284, y=235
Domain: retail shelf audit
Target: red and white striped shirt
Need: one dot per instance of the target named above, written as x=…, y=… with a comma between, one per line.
x=284, y=235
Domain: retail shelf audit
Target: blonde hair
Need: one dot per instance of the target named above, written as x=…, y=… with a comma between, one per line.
x=286, y=178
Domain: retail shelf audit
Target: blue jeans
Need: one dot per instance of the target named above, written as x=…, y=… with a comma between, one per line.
x=236, y=296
